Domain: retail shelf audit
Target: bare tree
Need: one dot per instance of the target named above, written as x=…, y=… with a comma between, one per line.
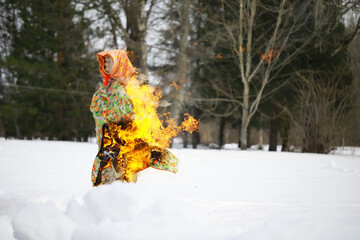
x=128, y=19
x=325, y=105
x=266, y=37
x=258, y=56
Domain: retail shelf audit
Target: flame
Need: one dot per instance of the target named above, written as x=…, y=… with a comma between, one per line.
x=190, y=124
x=145, y=131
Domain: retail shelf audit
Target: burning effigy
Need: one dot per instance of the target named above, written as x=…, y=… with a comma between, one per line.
x=130, y=133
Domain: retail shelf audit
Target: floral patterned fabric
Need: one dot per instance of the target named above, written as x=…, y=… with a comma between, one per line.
x=163, y=159
x=113, y=107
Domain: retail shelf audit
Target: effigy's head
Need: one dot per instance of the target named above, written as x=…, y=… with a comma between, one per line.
x=115, y=64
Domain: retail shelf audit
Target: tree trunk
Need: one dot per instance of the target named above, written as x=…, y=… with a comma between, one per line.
x=245, y=118
x=195, y=139
x=273, y=135
x=17, y=127
x=248, y=143
x=136, y=28
x=239, y=142
x=2, y=126
x=183, y=135
x=195, y=136
x=273, y=130
x=179, y=93
x=285, y=136
x=185, y=139
x=355, y=67
x=261, y=133
x=221, y=132
x=261, y=138
x=137, y=49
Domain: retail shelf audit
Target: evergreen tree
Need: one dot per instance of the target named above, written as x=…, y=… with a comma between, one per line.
x=51, y=73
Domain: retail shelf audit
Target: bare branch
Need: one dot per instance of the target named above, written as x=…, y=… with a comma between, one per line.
x=152, y=3
x=348, y=39
x=227, y=27
x=249, y=39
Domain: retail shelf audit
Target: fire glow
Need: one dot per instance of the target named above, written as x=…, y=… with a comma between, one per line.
x=146, y=130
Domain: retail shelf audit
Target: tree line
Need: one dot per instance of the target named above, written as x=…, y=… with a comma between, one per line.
x=282, y=66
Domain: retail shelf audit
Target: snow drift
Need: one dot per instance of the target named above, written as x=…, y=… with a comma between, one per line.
x=226, y=194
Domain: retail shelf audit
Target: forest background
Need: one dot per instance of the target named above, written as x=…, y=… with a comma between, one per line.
x=254, y=72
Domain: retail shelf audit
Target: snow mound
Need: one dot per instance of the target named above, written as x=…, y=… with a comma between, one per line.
x=42, y=221
x=111, y=212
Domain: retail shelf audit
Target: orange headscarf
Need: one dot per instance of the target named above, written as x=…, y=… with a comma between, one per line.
x=122, y=66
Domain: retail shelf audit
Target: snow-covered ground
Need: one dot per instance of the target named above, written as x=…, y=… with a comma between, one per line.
x=45, y=193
